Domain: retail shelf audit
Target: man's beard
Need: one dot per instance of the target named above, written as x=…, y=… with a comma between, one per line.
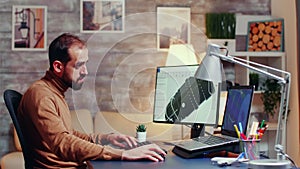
x=76, y=86
x=73, y=84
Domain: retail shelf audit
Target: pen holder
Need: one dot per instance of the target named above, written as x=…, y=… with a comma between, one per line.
x=250, y=148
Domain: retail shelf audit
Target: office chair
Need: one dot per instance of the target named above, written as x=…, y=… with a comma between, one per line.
x=12, y=100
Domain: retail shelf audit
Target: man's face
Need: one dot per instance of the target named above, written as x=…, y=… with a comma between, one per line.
x=76, y=70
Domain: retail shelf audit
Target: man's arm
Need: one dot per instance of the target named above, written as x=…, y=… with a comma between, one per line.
x=55, y=132
x=61, y=140
x=119, y=140
x=151, y=152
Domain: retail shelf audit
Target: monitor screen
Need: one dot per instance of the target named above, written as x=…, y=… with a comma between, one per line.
x=237, y=109
x=181, y=98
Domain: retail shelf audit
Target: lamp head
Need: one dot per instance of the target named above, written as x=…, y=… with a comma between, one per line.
x=211, y=68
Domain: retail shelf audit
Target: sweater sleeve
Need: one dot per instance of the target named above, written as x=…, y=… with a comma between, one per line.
x=94, y=138
x=52, y=125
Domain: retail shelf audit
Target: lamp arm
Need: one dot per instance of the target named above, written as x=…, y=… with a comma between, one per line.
x=282, y=121
x=284, y=102
x=232, y=59
x=261, y=65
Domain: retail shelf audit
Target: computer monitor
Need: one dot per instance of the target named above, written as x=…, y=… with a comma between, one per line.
x=237, y=109
x=182, y=99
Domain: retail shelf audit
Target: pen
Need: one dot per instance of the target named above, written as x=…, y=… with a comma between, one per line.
x=241, y=128
x=236, y=130
x=262, y=124
x=243, y=136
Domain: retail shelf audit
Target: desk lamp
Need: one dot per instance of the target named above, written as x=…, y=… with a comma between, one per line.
x=208, y=70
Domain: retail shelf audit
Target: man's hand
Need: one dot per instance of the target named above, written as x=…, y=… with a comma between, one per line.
x=121, y=140
x=151, y=152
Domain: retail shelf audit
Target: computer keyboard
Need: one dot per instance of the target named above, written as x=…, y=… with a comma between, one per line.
x=139, y=144
x=144, y=143
x=210, y=140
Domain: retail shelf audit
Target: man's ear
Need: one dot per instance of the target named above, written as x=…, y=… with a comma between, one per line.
x=58, y=67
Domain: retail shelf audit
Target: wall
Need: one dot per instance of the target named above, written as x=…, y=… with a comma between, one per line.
x=121, y=65
x=287, y=10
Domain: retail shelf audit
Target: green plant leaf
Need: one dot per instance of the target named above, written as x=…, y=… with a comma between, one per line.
x=220, y=25
x=141, y=128
x=271, y=96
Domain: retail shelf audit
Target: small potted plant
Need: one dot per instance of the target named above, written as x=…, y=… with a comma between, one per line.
x=141, y=132
x=220, y=29
x=220, y=25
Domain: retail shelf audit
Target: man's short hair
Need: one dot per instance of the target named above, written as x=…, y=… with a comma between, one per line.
x=59, y=48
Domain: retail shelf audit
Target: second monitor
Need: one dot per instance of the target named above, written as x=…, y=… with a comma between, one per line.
x=182, y=99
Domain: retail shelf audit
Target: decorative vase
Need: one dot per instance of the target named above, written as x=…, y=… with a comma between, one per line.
x=141, y=136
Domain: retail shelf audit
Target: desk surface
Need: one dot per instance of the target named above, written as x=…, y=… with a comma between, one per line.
x=171, y=162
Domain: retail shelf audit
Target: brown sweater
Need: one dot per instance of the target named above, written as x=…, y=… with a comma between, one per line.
x=45, y=118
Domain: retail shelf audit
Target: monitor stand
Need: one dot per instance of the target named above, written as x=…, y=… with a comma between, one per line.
x=197, y=130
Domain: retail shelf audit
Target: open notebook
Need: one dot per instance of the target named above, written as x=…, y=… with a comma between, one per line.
x=237, y=110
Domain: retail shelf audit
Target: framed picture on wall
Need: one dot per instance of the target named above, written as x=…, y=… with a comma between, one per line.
x=266, y=35
x=29, y=28
x=173, y=26
x=97, y=16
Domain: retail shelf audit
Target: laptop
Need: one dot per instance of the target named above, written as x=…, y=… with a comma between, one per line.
x=237, y=110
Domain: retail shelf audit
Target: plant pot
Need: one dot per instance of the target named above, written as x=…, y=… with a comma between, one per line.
x=141, y=136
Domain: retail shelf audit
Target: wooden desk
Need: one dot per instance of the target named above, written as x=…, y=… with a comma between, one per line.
x=171, y=162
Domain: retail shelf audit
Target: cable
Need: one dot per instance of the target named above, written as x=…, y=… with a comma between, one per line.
x=289, y=158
